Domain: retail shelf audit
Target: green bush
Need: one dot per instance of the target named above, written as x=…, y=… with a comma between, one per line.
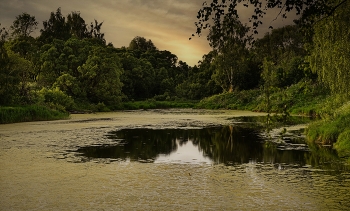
x=101, y=107
x=55, y=99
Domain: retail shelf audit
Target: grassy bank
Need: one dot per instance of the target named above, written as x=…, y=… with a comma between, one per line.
x=302, y=98
x=29, y=113
x=305, y=98
x=334, y=129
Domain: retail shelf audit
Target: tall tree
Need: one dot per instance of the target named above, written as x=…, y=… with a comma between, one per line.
x=77, y=25
x=232, y=53
x=3, y=53
x=55, y=28
x=24, y=25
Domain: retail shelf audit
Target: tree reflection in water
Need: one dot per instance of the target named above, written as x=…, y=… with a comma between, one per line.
x=240, y=143
x=229, y=145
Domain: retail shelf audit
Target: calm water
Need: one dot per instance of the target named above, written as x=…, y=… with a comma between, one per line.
x=275, y=170
x=164, y=160
x=236, y=144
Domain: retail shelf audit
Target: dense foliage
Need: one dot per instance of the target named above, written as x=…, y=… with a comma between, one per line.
x=70, y=67
x=304, y=67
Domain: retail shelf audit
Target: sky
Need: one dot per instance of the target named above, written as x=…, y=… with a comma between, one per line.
x=168, y=23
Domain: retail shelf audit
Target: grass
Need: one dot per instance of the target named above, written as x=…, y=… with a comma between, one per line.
x=302, y=98
x=243, y=100
x=29, y=113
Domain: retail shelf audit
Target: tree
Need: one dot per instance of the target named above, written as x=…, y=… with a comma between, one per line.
x=330, y=53
x=138, y=77
x=284, y=47
x=14, y=77
x=77, y=25
x=211, y=14
x=3, y=53
x=95, y=32
x=232, y=53
x=24, y=25
x=140, y=43
x=199, y=82
x=53, y=63
x=100, y=76
x=287, y=41
x=55, y=28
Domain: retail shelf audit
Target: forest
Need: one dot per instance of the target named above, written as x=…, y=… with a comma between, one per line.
x=296, y=69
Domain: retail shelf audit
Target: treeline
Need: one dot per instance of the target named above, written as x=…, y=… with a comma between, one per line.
x=69, y=66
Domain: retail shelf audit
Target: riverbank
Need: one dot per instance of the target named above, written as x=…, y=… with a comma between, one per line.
x=332, y=113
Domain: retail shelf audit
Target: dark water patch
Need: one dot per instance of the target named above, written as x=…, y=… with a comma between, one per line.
x=229, y=145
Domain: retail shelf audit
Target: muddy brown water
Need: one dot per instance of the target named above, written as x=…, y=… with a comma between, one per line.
x=160, y=160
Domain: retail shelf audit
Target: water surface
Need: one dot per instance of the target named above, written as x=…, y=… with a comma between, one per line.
x=167, y=160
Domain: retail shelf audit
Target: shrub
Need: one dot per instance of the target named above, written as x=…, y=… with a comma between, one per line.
x=55, y=99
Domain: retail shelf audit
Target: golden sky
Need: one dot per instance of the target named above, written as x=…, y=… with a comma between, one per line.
x=168, y=23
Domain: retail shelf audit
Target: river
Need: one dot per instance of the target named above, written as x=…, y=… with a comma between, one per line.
x=176, y=159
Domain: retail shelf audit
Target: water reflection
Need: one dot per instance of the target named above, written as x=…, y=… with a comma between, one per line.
x=229, y=145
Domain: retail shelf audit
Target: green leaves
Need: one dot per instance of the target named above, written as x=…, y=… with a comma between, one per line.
x=330, y=55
